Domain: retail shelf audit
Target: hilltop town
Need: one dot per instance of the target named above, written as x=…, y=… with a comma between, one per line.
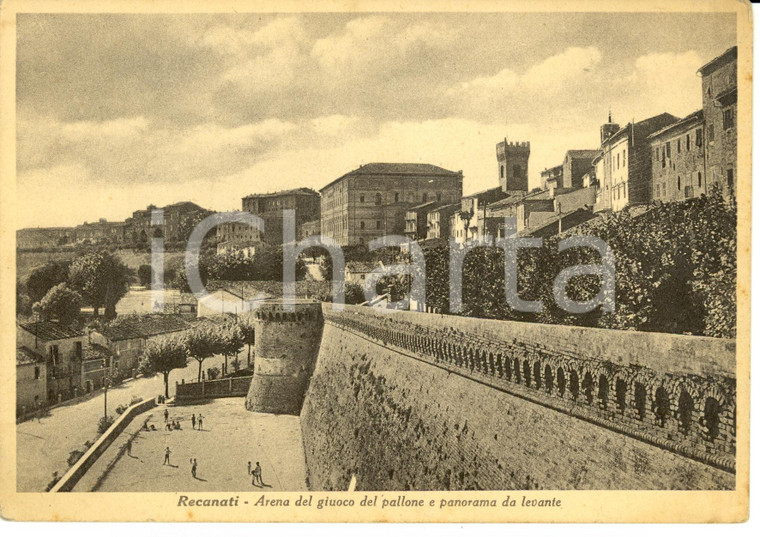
x=642, y=173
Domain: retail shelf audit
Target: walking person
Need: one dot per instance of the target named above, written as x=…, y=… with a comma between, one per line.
x=257, y=476
x=192, y=420
x=200, y=422
x=249, y=467
x=166, y=415
x=166, y=456
x=194, y=467
x=129, y=447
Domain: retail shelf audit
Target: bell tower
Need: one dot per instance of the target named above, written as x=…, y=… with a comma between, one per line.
x=513, y=165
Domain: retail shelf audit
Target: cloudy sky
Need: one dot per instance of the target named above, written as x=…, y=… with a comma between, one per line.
x=119, y=111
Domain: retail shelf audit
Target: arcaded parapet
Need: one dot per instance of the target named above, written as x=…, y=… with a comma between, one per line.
x=287, y=344
x=420, y=401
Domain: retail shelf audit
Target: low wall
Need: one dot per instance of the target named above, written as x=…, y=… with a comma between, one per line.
x=420, y=401
x=75, y=473
x=212, y=389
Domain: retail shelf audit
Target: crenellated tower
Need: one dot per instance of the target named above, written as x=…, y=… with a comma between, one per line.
x=513, y=165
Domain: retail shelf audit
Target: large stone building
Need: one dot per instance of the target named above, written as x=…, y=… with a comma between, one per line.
x=678, y=160
x=719, y=94
x=179, y=219
x=371, y=201
x=627, y=174
x=101, y=231
x=269, y=207
x=240, y=237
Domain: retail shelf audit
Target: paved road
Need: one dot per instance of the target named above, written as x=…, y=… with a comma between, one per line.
x=43, y=446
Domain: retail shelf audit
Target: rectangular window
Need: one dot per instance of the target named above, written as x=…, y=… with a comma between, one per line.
x=36, y=372
x=728, y=119
x=361, y=198
x=710, y=133
x=78, y=350
x=618, y=162
x=657, y=154
x=623, y=158
x=378, y=225
x=667, y=149
x=688, y=143
x=678, y=146
x=730, y=180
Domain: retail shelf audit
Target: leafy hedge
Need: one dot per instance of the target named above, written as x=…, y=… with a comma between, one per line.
x=675, y=272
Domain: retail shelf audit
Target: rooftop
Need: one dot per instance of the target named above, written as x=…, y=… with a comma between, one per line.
x=25, y=356
x=397, y=168
x=718, y=62
x=583, y=153
x=93, y=351
x=51, y=330
x=143, y=326
x=644, y=128
x=694, y=117
x=302, y=191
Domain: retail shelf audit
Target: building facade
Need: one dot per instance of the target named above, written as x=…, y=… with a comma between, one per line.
x=576, y=164
x=371, y=201
x=470, y=222
x=101, y=231
x=439, y=220
x=719, y=100
x=628, y=163
x=31, y=380
x=269, y=207
x=63, y=350
x=678, y=160
x=178, y=221
x=552, y=177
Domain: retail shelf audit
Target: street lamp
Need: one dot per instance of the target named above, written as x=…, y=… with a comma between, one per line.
x=105, y=391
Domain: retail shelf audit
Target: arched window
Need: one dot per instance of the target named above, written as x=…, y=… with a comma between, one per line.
x=574, y=387
x=640, y=400
x=685, y=412
x=621, y=391
x=588, y=388
x=711, y=419
x=537, y=375
x=661, y=406
x=517, y=371
x=526, y=372
x=548, y=379
x=604, y=392
x=501, y=171
x=561, y=382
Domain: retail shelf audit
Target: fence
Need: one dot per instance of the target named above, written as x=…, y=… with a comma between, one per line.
x=210, y=389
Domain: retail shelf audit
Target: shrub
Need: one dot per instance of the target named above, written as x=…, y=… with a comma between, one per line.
x=213, y=373
x=121, y=409
x=104, y=423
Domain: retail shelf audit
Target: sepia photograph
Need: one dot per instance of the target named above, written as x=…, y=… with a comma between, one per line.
x=362, y=262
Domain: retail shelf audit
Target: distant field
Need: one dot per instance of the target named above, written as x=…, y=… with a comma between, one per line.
x=26, y=262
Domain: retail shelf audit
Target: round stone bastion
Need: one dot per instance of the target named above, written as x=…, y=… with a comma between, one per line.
x=287, y=344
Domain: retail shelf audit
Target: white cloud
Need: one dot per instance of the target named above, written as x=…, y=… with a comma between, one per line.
x=550, y=76
x=230, y=41
x=555, y=72
x=375, y=44
x=333, y=125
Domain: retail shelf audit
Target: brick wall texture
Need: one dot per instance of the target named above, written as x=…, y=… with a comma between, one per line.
x=399, y=420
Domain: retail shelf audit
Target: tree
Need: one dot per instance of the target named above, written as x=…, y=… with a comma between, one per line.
x=101, y=279
x=200, y=343
x=144, y=275
x=44, y=278
x=248, y=332
x=230, y=341
x=163, y=355
x=466, y=216
x=61, y=304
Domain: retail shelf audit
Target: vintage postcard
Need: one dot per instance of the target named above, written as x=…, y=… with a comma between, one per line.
x=373, y=261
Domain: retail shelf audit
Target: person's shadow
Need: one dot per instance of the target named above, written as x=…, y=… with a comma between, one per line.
x=199, y=478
